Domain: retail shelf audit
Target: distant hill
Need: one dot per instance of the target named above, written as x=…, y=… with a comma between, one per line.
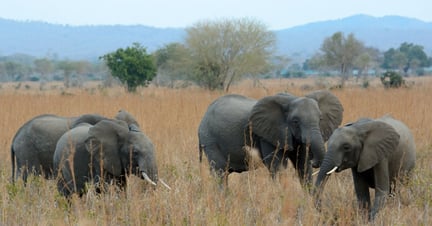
x=79, y=42
x=89, y=42
x=379, y=32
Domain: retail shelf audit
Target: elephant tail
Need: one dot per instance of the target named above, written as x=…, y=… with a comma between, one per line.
x=13, y=158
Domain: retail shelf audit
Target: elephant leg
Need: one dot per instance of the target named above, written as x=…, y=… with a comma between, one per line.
x=220, y=174
x=64, y=187
x=301, y=163
x=22, y=172
x=271, y=157
x=219, y=165
x=361, y=188
x=382, y=187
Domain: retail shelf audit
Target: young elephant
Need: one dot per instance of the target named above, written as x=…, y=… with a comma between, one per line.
x=281, y=127
x=378, y=152
x=105, y=152
x=34, y=143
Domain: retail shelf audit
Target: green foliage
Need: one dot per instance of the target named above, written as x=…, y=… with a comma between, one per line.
x=132, y=66
x=392, y=79
x=224, y=51
x=407, y=56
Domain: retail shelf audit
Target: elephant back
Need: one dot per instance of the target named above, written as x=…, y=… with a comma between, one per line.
x=406, y=148
x=226, y=118
x=35, y=142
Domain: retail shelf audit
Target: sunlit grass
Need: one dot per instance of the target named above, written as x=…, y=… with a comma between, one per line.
x=170, y=117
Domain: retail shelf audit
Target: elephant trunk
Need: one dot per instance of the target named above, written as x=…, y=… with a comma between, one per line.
x=317, y=148
x=153, y=180
x=327, y=167
x=148, y=171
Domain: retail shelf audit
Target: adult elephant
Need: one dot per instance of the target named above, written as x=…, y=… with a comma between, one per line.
x=377, y=151
x=34, y=143
x=106, y=152
x=281, y=127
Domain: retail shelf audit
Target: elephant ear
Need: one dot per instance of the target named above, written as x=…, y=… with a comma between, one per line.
x=127, y=117
x=268, y=118
x=331, y=111
x=106, y=138
x=379, y=142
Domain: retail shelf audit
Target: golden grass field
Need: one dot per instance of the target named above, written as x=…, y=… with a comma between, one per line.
x=170, y=117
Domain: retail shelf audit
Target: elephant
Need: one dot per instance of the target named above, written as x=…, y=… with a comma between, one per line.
x=280, y=127
x=379, y=153
x=34, y=143
x=108, y=151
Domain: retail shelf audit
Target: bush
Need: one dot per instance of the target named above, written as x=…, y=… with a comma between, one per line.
x=392, y=79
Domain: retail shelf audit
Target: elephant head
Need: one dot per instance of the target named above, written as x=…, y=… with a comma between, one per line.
x=119, y=150
x=288, y=122
x=359, y=146
x=127, y=117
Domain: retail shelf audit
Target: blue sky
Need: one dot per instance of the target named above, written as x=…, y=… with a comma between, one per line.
x=276, y=14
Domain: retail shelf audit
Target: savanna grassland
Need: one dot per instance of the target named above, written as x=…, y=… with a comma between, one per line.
x=170, y=117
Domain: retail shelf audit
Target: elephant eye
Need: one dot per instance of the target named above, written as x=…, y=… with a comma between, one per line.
x=346, y=147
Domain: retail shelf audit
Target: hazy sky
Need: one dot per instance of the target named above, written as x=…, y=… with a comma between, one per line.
x=276, y=14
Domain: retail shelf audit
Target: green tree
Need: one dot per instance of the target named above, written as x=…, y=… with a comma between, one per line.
x=392, y=79
x=340, y=53
x=407, y=57
x=226, y=50
x=132, y=66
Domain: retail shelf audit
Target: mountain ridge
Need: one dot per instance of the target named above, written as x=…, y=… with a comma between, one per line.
x=40, y=39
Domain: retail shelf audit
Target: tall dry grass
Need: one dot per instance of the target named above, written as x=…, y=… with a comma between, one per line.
x=170, y=117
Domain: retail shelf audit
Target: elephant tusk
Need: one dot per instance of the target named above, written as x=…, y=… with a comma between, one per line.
x=147, y=178
x=164, y=184
x=332, y=171
x=315, y=173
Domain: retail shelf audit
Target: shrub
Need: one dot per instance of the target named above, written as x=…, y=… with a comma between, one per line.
x=392, y=79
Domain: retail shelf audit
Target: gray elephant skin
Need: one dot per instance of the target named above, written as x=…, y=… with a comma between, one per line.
x=378, y=152
x=281, y=127
x=34, y=143
x=104, y=153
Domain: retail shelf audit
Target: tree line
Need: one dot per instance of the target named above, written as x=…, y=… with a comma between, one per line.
x=215, y=54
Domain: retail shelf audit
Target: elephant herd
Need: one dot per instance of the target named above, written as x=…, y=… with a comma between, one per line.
x=282, y=128
x=286, y=127
x=88, y=148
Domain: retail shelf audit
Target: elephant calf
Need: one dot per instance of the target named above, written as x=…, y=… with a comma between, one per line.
x=106, y=152
x=281, y=127
x=378, y=152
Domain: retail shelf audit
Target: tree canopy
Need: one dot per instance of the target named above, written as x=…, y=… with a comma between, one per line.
x=226, y=50
x=132, y=66
x=340, y=52
x=407, y=56
x=172, y=62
